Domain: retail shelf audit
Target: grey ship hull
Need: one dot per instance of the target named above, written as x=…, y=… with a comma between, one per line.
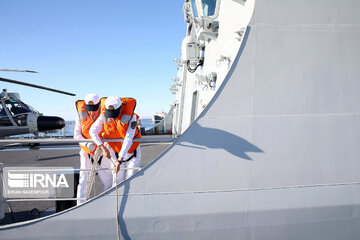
x=274, y=156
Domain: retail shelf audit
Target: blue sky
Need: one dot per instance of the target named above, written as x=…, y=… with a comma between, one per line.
x=109, y=47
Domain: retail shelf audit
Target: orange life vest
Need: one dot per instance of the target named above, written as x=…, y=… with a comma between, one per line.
x=116, y=128
x=86, y=121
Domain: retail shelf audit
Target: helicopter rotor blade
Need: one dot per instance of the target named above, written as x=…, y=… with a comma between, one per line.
x=35, y=86
x=17, y=70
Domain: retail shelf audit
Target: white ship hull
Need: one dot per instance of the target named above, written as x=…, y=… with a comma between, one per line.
x=274, y=155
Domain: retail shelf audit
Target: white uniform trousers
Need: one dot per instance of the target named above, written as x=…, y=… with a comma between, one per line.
x=134, y=162
x=106, y=176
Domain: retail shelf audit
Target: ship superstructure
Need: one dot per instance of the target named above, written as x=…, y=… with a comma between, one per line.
x=215, y=31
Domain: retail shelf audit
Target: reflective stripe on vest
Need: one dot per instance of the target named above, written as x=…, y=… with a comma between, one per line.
x=125, y=118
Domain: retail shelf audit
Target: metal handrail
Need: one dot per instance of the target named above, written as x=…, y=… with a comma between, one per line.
x=68, y=169
x=61, y=140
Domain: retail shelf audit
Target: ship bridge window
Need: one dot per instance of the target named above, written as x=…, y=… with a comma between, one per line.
x=194, y=9
x=209, y=7
x=205, y=8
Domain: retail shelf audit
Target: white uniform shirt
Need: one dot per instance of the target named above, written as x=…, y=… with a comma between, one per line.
x=128, y=140
x=77, y=131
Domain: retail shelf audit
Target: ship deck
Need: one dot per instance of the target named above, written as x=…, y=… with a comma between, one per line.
x=54, y=155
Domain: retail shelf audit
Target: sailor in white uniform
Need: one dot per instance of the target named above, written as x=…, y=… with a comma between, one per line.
x=88, y=111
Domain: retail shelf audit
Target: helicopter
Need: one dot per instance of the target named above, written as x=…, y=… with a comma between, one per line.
x=17, y=117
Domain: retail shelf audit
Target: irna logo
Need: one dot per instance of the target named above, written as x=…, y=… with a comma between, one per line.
x=36, y=180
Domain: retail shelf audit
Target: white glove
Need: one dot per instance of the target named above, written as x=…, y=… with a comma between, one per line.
x=91, y=146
